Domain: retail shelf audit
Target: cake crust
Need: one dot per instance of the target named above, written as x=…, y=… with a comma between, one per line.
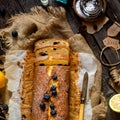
x=27, y=86
x=74, y=91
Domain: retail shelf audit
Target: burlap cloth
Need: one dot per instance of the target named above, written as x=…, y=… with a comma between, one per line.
x=40, y=24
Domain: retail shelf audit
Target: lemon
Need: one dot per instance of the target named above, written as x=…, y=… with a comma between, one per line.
x=114, y=103
x=2, y=80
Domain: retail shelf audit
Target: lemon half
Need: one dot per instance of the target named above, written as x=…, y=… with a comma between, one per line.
x=114, y=103
x=2, y=80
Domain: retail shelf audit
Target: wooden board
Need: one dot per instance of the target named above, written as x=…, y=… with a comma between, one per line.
x=95, y=41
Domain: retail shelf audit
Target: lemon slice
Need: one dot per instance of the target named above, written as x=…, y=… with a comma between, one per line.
x=114, y=103
x=2, y=80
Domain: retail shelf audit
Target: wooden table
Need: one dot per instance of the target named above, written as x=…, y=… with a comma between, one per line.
x=95, y=41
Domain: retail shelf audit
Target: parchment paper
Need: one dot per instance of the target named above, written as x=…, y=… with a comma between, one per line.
x=14, y=73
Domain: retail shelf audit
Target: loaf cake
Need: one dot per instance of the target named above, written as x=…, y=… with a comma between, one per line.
x=27, y=87
x=51, y=84
x=50, y=93
x=52, y=52
x=74, y=91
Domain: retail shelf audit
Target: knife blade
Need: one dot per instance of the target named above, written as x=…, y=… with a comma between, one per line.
x=83, y=96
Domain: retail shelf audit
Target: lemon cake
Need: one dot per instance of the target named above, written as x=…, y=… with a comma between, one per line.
x=51, y=84
x=50, y=93
x=52, y=52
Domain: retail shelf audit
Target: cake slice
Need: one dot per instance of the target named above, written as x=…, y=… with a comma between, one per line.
x=52, y=52
x=52, y=56
x=51, y=42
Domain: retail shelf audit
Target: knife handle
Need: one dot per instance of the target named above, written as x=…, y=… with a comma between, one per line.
x=81, y=113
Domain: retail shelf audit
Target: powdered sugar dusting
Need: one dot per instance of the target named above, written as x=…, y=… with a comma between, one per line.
x=90, y=6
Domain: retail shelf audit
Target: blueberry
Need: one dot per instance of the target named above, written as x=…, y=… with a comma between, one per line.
x=55, y=43
x=53, y=87
x=54, y=92
x=52, y=106
x=46, y=97
x=54, y=77
x=14, y=33
x=43, y=54
x=42, y=64
x=54, y=49
x=53, y=112
x=5, y=107
x=42, y=106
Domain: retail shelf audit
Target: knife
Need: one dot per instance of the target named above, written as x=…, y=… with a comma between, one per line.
x=83, y=97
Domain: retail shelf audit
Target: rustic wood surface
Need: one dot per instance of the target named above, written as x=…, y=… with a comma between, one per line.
x=95, y=41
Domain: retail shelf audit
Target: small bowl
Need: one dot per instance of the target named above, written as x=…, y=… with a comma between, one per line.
x=78, y=8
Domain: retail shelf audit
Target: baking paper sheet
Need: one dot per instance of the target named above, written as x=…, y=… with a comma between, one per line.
x=14, y=73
